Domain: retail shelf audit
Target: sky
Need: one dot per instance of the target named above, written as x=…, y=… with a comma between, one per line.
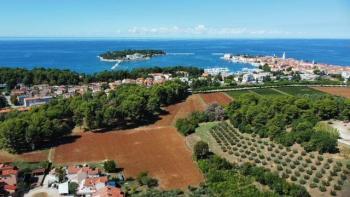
x=176, y=18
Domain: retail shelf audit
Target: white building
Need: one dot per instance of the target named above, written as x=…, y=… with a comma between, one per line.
x=345, y=75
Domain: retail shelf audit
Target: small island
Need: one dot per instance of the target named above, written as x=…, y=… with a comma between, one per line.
x=130, y=55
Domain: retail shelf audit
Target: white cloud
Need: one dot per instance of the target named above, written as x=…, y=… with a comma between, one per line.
x=202, y=30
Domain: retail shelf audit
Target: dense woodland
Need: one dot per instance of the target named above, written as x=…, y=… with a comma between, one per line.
x=127, y=105
x=290, y=120
x=13, y=76
x=121, y=55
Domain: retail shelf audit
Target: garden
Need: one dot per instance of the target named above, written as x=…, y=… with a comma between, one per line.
x=319, y=173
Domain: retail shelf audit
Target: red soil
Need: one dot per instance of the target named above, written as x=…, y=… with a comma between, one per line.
x=218, y=97
x=157, y=148
x=338, y=91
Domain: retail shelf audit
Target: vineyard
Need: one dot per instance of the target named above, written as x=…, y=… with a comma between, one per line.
x=320, y=174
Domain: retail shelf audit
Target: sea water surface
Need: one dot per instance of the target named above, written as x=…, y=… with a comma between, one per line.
x=81, y=54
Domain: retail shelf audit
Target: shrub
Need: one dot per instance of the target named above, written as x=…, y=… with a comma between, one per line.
x=261, y=156
x=313, y=168
x=301, y=169
x=237, y=154
x=201, y=150
x=288, y=171
x=302, y=181
x=343, y=177
x=295, y=151
x=297, y=173
x=316, y=180
x=312, y=156
x=308, y=160
x=337, y=187
x=283, y=153
x=306, y=177
x=288, y=160
x=309, y=172
x=273, y=155
x=293, y=178
x=144, y=179
x=257, y=161
x=329, y=160
x=264, y=163
x=285, y=176
x=300, y=158
x=325, y=183
x=322, y=188
x=333, y=193
x=326, y=166
x=319, y=175
x=292, y=166
x=313, y=185
x=110, y=166
x=320, y=158
x=279, y=168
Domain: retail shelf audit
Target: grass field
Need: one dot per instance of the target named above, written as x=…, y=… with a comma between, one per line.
x=281, y=91
x=298, y=91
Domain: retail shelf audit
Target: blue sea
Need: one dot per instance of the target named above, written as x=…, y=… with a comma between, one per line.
x=81, y=54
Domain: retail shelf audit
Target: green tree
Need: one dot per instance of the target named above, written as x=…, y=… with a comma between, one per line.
x=201, y=150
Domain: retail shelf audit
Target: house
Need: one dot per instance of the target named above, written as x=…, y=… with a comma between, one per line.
x=108, y=191
x=28, y=102
x=8, y=178
x=63, y=188
x=91, y=185
x=247, y=78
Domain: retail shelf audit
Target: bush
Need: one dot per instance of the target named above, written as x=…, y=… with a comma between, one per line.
x=302, y=181
x=337, y=187
x=333, y=193
x=306, y=177
x=279, y=168
x=201, y=150
x=315, y=180
x=293, y=178
x=144, y=179
x=322, y=188
x=313, y=185
x=110, y=166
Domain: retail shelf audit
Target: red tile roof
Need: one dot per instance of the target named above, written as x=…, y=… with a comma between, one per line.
x=109, y=192
x=10, y=187
x=9, y=172
x=94, y=181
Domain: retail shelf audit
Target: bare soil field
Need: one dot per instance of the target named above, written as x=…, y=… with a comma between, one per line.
x=338, y=91
x=162, y=152
x=157, y=148
x=218, y=97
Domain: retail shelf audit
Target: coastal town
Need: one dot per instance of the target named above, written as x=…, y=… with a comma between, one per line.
x=308, y=70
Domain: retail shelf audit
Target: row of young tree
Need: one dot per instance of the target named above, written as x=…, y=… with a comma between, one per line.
x=290, y=120
x=224, y=179
x=127, y=105
x=14, y=76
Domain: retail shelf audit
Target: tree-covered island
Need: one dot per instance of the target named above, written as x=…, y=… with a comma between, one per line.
x=130, y=55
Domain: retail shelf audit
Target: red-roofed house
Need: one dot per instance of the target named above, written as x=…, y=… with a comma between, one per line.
x=108, y=192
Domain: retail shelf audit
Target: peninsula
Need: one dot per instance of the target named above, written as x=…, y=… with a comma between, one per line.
x=130, y=55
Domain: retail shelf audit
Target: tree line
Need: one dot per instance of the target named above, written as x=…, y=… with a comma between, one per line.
x=127, y=105
x=273, y=116
x=14, y=76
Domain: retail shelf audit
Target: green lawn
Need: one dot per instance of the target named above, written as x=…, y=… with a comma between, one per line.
x=297, y=91
x=292, y=91
x=267, y=92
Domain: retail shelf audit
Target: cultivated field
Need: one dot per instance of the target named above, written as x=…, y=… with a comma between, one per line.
x=338, y=91
x=219, y=97
x=322, y=175
x=280, y=91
